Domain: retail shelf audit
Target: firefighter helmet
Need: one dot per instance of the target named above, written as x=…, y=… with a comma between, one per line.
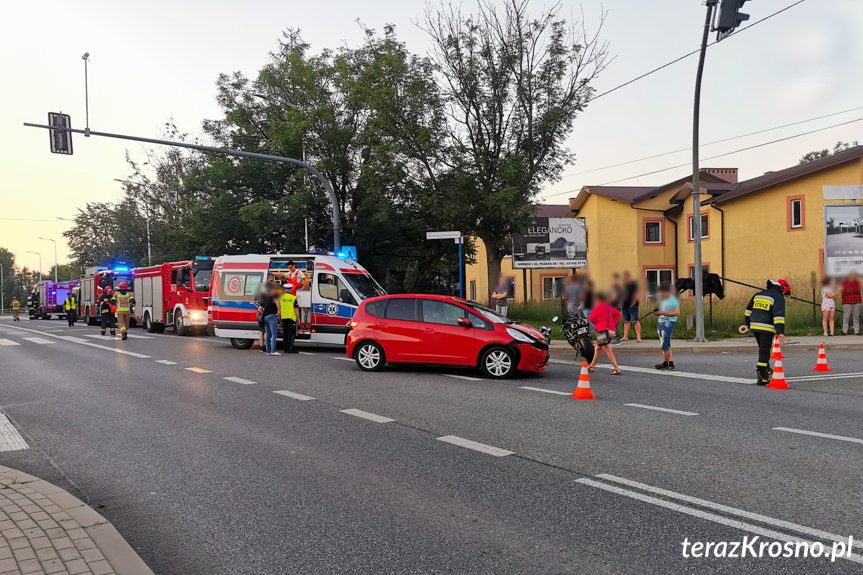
x=123, y=285
x=783, y=286
x=109, y=291
x=14, y=298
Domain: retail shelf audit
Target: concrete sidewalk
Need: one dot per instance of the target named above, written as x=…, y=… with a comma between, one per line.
x=730, y=345
x=45, y=530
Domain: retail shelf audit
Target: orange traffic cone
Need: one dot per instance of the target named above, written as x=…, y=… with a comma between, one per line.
x=778, y=381
x=821, y=364
x=776, y=353
x=582, y=391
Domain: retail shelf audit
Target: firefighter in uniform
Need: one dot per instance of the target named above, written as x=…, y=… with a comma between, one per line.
x=125, y=301
x=70, y=306
x=16, y=309
x=765, y=318
x=107, y=307
x=31, y=305
x=288, y=301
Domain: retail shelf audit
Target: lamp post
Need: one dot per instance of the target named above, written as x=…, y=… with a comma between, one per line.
x=147, y=218
x=2, y=293
x=40, y=262
x=55, y=256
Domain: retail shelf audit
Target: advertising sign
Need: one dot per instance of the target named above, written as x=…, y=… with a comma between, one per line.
x=843, y=239
x=551, y=243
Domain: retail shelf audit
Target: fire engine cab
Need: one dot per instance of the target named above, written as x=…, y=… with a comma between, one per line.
x=93, y=284
x=336, y=286
x=173, y=294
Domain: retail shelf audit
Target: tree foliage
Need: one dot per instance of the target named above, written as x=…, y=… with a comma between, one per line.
x=818, y=154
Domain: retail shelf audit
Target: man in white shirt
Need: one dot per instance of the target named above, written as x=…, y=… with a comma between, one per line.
x=296, y=276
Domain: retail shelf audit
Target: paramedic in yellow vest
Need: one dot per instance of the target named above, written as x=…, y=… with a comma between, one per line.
x=288, y=311
x=70, y=306
x=16, y=309
x=125, y=301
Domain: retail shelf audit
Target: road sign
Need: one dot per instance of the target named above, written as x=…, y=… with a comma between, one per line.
x=61, y=140
x=442, y=235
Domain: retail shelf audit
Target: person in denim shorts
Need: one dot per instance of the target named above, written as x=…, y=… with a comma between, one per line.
x=629, y=307
x=667, y=313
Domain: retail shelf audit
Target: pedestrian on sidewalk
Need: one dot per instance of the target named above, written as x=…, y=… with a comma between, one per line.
x=667, y=313
x=269, y=308
x=629, y=307
x=605, y=318
x=828, y=306
x=288, y=313
x=851, y=300
x=572, y=294
x=500, y=296
x=765, y=318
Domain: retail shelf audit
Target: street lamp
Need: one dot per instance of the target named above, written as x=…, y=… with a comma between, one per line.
x=2, y=293
x=146, y=217
x=55, y=256
x=40, y=262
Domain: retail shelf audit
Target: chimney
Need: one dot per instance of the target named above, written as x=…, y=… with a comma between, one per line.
x=727, y=174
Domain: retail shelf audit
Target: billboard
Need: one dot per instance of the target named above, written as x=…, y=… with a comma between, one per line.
x=843, y=239
x=551, y=243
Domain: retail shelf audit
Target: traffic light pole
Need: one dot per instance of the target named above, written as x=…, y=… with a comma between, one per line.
x=337, y=240
x=696, y=191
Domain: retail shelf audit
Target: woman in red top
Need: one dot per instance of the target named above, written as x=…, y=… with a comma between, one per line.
x=605, y=318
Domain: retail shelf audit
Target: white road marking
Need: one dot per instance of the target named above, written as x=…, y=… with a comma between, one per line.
x=166, y=362
x=298, y=396
x=198, y=370
x=240, y=380
x=769, y=533
x=467, y=377
x=817, y=434
x=74, y=339
x=367, y=415
x=827, y=377
x=661, y=409
x=476, y=446
x=306, y=353
x=38, y=340
x=546, y=390
x=124, y=352
x=10, y=439
x=684, y=374
x=136, y=336
x=731, y=510
x=8, y=342
x=344, y=358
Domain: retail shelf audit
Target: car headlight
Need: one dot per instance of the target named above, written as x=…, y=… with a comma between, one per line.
x=196, y=315
x=518, y=335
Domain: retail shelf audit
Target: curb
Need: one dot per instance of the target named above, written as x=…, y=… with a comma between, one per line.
x=116, y=550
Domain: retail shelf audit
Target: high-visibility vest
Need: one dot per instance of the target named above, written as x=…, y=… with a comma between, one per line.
x=288, y=311
x=16, y=304
x=124, y=301
x=70, y=303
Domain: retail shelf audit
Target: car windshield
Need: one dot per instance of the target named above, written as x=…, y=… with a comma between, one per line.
x=202, y=280
x=488, y=314
x=364, y=285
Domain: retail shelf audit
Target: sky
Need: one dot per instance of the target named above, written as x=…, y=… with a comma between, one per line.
x=158, y=61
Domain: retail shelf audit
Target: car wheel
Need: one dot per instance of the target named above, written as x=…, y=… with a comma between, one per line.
x=370, y=356
x=180, y=327
x=498, y=363
x=241, y=343
x=148, y=323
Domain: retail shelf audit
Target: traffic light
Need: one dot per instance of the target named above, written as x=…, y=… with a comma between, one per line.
x=61, y=140
x=730, y=17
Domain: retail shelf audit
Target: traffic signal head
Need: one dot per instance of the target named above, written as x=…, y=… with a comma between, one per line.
x=61, y=140
x=730, y=17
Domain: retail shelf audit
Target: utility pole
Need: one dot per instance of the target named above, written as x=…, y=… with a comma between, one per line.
x=55, y=256
x=2, y=293
x=40, y=263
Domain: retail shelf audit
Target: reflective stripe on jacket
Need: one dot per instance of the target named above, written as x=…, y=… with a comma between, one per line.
x=124, y=301
x=766, y=311
x=69, y=304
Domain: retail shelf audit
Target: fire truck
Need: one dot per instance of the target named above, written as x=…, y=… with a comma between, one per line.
x=48, y=299
x=94, y=283
x=173, y=294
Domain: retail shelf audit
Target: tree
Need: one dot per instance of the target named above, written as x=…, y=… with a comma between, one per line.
x=818, y=154
x=512, y=86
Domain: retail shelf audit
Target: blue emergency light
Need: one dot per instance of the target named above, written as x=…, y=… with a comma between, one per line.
x=121, y=269
x=203, y=258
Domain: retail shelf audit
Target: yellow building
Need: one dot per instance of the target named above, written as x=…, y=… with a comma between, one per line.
x=769, y=226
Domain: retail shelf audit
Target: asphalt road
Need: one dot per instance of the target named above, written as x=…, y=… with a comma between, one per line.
x=208, y=475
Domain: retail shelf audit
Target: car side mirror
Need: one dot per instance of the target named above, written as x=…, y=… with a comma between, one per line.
x=464, y=322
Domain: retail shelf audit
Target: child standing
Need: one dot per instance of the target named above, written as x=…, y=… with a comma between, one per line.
x=667, y=314
x=828, y=305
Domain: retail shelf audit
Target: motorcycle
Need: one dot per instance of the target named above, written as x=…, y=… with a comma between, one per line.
x=576, y=330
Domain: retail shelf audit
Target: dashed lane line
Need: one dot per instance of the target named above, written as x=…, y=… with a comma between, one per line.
x=38, y=340
x=240, y=380
x=166, y=362
x=546, y=390
x=665, y=409
x=306, y=353
x=198, y=370
x=476, y=446
x=684, y=374
x=819, y=434
x=730, y=510
x=465, y=377
x=10, y=439
x=722, y=520
x=367, y=415
x=297, y=396
x=8, y=342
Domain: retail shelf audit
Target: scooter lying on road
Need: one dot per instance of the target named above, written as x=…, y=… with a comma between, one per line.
x=576, y=330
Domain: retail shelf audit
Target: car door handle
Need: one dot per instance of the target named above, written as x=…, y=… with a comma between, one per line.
x=427, y=330
x=382, y=325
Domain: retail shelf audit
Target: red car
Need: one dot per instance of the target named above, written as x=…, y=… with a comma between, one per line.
x=443, y=330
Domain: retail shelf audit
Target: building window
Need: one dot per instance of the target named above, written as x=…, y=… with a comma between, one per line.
x=653, y=231
x=795, y=213
x=553, y=286
x=656, y=277
x=705, y=229
x=472, y=290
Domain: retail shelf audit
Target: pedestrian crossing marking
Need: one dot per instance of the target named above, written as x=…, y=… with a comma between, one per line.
x=10, y=439
x=8, y=342
x=38, y=340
